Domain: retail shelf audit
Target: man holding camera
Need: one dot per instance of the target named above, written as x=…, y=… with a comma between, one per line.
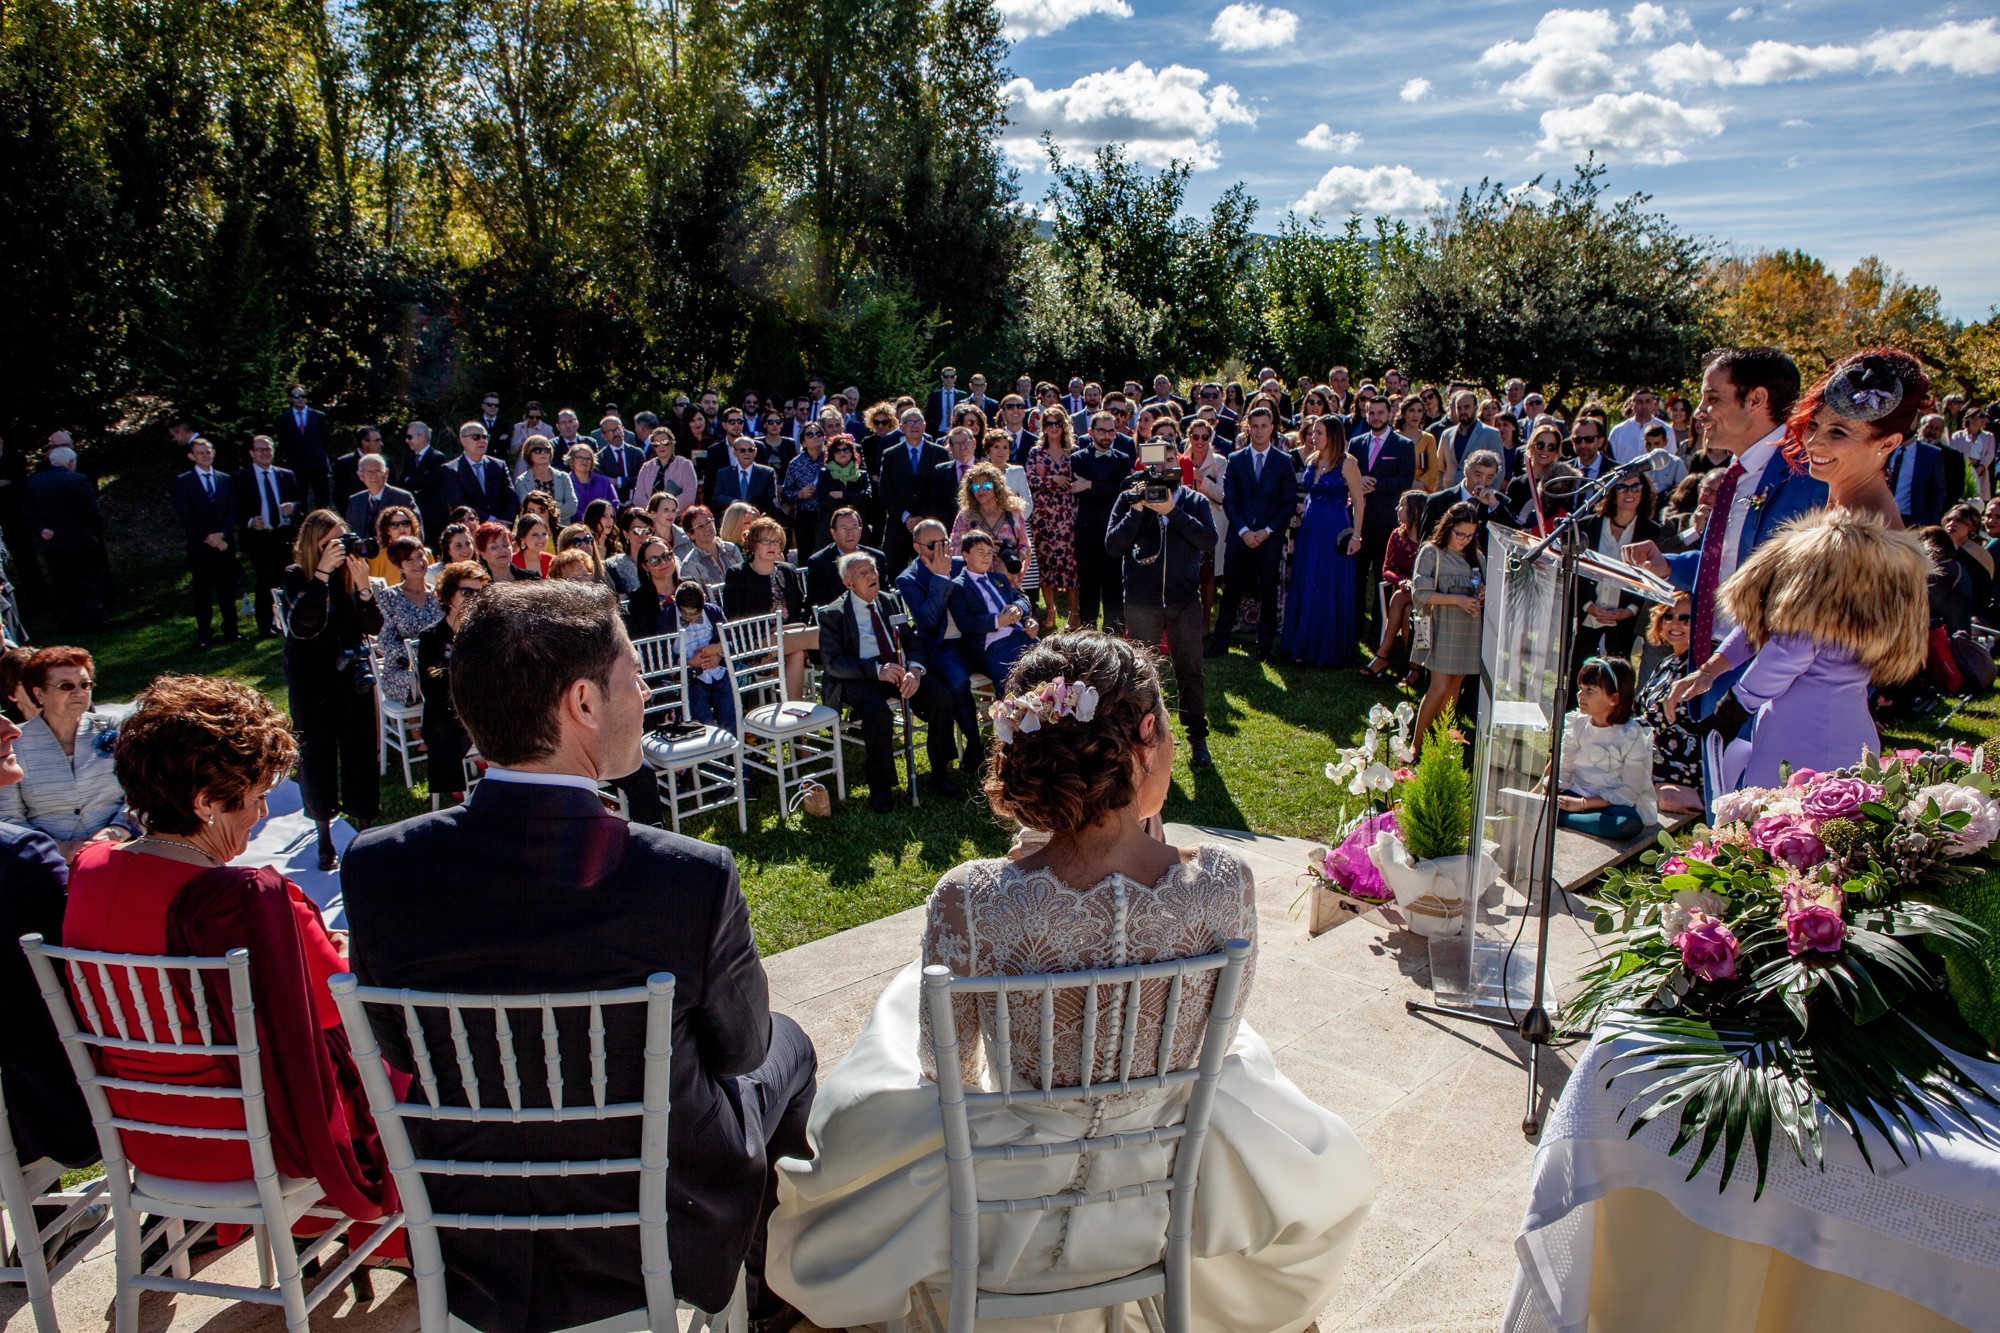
x=1161, y=531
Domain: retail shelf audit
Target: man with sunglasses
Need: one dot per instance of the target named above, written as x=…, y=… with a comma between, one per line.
x=422, y=475
x=531, y=423
x=305, y=443
x=1587, y=441
x=489, y=415
x=481, y=482
x=1208, y=404
x=926, y=589
x=746, y=479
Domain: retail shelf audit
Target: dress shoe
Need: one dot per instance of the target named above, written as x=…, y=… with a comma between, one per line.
x=947, y=789
x=882, y=802
x=1198, y=757
x=1216, y=648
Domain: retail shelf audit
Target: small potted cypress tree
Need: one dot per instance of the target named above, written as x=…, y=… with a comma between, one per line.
x=1427, y=866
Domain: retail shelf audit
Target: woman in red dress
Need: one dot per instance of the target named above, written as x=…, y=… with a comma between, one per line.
x=196, y=758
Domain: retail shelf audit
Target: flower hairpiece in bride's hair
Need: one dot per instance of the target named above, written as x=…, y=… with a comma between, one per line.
x=1046, y=702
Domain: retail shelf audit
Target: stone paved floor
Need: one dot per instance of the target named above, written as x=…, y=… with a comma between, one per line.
x=1437, y=1104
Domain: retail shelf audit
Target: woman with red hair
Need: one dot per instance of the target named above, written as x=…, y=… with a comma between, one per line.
x=1848, y=428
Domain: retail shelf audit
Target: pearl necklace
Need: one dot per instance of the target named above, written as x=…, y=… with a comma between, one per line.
x=170, y=850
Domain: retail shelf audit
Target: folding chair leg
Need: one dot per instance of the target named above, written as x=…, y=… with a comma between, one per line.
x=742, y=803
x=266, y=1275
x=176, y=1230
x=126, y=1253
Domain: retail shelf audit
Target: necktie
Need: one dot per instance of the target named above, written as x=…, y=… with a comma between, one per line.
x=885, y=638
x=1257, y=462
x=1374, y=450
x=300, y=417
x=275, y=516
x=991, y=594
x=1710, y=572
x=743, y=482
x=208, y=485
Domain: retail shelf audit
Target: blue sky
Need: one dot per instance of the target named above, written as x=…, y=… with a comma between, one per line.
x=1838, y=128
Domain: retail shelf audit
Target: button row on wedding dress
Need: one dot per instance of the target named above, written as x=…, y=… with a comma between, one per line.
x=1079, y=1180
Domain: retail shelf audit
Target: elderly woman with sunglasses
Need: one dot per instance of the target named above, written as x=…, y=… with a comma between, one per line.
x=541, y=474
x=69, y=788
x=1676, y=750
x=800, y=489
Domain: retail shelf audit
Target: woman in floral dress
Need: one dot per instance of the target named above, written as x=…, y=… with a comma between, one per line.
x=1053, y=484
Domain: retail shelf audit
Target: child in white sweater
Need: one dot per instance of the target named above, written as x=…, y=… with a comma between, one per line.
x=1607, y=760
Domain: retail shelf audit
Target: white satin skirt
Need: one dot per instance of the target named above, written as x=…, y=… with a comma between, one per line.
x=1284, y=1186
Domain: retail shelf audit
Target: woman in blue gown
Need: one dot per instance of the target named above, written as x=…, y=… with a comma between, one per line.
x=1320, y=606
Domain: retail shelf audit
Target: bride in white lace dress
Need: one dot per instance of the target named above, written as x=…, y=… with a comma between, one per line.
x=1284, y=1184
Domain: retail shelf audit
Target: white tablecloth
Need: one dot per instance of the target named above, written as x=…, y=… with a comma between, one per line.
x=1926, y=1228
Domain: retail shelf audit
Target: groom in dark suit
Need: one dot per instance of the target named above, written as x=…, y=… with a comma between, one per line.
x=533, y=886
x=1260, y=490
x=1388, y=468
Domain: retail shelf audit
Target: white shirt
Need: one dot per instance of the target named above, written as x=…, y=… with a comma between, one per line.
x=995, y=603
x=1754, y=461
x=869, y=645
x=267, y=496
x=1628, y=437
x=1977, y=448
x=207, y=476
x=1375, y=443
x=696, y=635
x=494, y=773
x=1612, y=763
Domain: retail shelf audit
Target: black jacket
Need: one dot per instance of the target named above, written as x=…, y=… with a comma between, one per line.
x=65, y=503
x=201, y=513
x=538, y=888
x=823, y=583
x=308, y=451
x=843, y=666
x=1162, y=562
x=250, y=505
x=745, y=593
x=45, y=1108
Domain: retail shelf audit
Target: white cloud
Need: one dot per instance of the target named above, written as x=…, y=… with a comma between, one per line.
x=1396, y=189
x=1795, y=123
x=1741, y=12
x=1321, y=139
x=1962, y=48
x=1955, y=48
x=1039, y=18
x=1416, y=90
x=1250, y=27
x=1641, y=126
x=1157, y=116
x=1648, y=21
x=1567, y=58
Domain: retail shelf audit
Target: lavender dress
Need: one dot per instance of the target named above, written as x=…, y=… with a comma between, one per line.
x=1809, y=702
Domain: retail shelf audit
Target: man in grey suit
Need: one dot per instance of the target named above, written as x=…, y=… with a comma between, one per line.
x=376, y=494
x=1465, y=436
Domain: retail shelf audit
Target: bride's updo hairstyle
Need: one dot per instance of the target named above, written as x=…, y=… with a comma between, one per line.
x=1066, y=774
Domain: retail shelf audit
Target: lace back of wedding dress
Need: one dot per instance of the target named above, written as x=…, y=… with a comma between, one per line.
x=992, y=918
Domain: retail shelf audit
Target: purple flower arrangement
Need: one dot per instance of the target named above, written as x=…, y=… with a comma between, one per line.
x=1788, y=959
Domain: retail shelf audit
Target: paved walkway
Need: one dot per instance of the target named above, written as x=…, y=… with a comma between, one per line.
x=1437, y=1104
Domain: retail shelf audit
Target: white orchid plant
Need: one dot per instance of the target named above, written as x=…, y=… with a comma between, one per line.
x=1373, y=768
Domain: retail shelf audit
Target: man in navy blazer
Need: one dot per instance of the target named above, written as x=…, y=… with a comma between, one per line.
x=422, y=475
x=533, y=886
x=1388, y=468
x=925, y=589
x=906, y=469
x=1746, y=394
x=305, y=443
x=944, y=400
x=746, y=480
x=474, y=479
x=1917, y=475
x=1260, y=491
x=618, y=457
x=205, y=504
x=267, y=510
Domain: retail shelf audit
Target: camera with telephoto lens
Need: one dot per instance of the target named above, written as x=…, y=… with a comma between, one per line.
x=1162, y=471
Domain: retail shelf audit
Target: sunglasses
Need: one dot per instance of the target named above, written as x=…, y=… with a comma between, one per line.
x=655, y=561
x=578, y=543
x=929, y=545
x=1681, y=617
x=815, y=432
x=732, y=421
x=1587, y=439
x=475, y=435
x=979, y=486
x=72, y=686
x=399, y=523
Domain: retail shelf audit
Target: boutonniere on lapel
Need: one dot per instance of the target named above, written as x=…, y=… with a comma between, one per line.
x=1759, y=500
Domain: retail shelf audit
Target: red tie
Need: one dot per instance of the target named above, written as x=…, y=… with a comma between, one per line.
x=885, y=638
x=1710, y=573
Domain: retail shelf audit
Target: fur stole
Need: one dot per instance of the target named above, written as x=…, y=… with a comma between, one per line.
x=1841, y=577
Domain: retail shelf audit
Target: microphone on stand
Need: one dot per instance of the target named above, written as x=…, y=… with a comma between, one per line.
x=1659, y=460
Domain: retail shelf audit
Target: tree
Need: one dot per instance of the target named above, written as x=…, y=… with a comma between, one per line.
x=1314, y=294
x=1119, y=225
x=1570, y=290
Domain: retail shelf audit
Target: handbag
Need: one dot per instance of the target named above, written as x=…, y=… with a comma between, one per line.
x=814, y=800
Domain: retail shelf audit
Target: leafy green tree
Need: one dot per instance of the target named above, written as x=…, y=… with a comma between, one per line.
x=1315, y=294
x=1567, y=291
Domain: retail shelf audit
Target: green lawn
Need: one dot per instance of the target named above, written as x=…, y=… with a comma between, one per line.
x=1274, y=728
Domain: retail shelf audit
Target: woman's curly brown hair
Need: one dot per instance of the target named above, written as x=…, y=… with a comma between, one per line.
x=1065, y=775
x=200, y=735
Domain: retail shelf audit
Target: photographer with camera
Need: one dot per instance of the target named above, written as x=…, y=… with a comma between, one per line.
x=329, y=610
x=1162, y=533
